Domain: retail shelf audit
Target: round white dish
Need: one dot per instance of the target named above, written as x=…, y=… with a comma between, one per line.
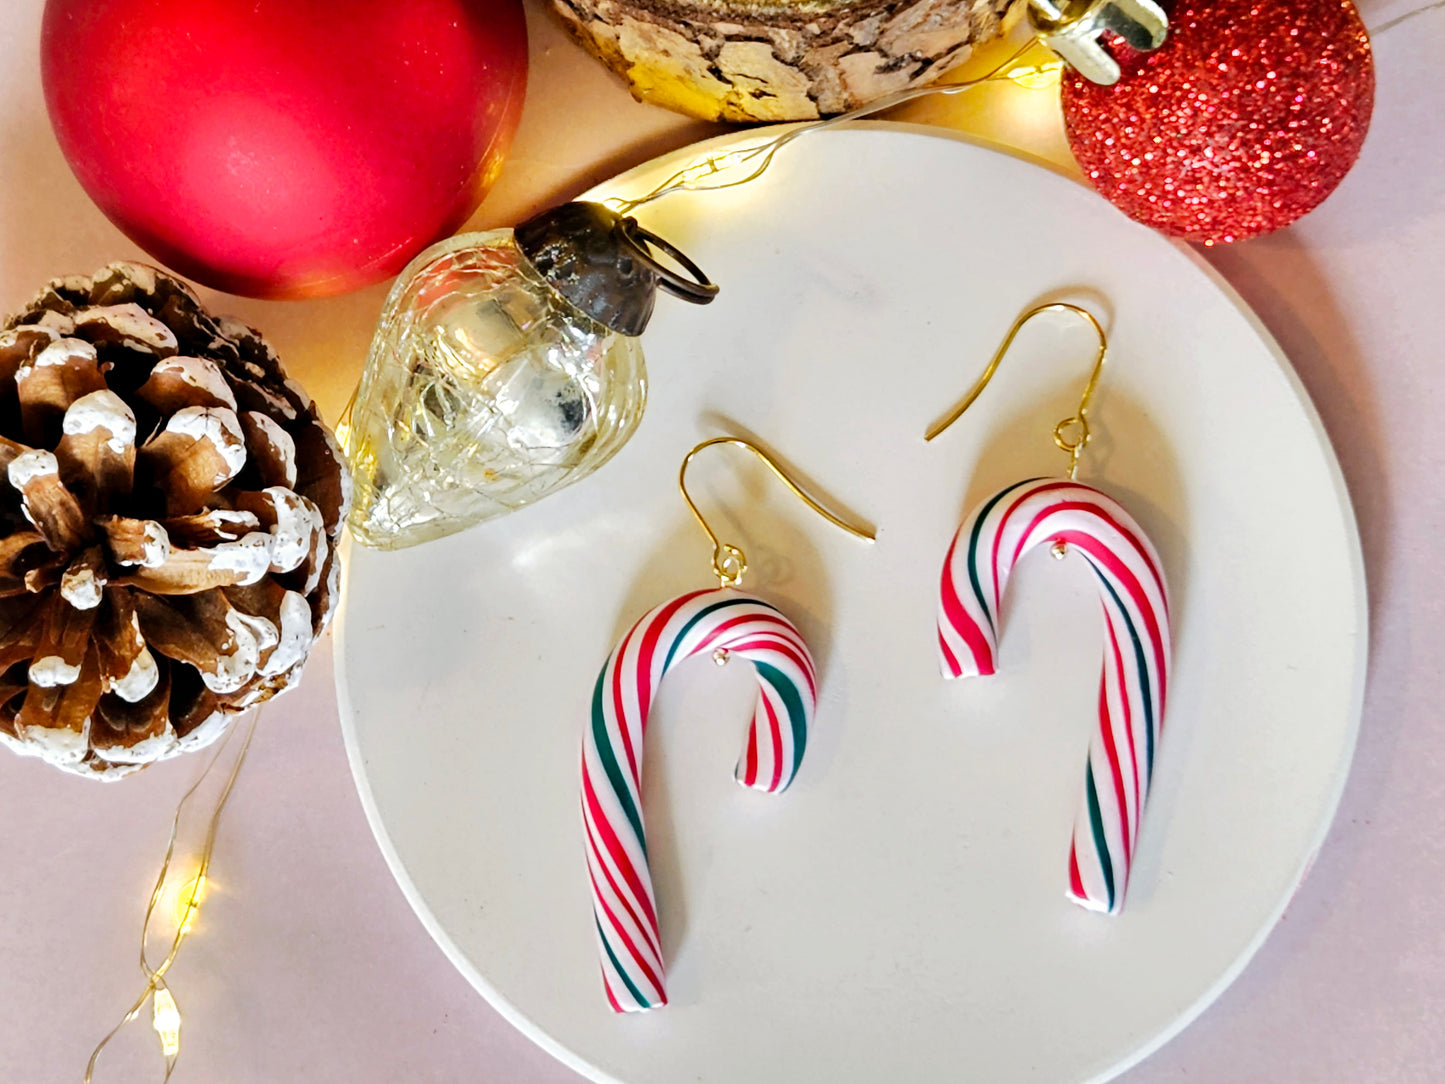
x=899, y=913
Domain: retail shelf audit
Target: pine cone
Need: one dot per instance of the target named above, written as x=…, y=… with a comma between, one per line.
x=168, y=530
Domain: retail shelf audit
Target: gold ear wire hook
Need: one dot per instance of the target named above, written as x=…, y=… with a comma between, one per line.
x=1074, y=447
x=728, y=562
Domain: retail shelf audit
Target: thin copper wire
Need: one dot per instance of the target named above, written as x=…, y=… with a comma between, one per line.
x=1376, y=31
x=155, y=976
x=691, y=177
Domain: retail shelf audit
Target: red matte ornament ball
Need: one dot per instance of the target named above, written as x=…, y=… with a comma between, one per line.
x=285, y=148
x=1248, y=116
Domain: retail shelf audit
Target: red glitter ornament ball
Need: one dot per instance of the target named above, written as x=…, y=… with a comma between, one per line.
x=1247, y=118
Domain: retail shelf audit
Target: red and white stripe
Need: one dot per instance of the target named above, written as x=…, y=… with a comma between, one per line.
x=704, y=622
x=1048, y=512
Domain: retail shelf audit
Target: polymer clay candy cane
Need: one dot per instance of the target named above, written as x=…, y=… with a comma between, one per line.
x=1135, y=678
x=726, y=624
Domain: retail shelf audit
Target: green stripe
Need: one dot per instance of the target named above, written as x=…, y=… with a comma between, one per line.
x=677, y=640
x=609, y=760
x=797, y=716
x=973, y=548
x=1096, y=821
x=1145, y=685
x=636, y=993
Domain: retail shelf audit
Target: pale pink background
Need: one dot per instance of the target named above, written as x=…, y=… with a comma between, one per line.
x=308, y=964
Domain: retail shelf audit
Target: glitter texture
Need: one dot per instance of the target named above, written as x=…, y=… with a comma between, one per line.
x=1247, y=118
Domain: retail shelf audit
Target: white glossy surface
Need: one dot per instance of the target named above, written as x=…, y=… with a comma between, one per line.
x=900, y=910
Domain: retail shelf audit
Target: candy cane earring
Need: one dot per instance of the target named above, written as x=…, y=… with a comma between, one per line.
x=722, y=622
x=1071, y=517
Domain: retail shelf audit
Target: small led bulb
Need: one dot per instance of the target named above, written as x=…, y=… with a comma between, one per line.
x=166, y=1019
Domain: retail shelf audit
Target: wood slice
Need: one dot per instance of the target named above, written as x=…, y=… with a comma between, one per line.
x=738, y=60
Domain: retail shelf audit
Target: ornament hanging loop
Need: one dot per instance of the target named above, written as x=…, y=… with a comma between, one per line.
x=698, y=289
x=1075, y=29
x=728, y=561
x=1072, y=435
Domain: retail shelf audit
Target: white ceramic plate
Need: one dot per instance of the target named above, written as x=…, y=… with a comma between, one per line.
x=899, y=914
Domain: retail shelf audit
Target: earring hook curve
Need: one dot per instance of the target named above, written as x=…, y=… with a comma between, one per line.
x=1074, y=443
x=728, y=561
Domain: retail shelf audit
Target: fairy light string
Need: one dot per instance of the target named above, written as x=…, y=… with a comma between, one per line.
x=165, y=1013
x=712, y=173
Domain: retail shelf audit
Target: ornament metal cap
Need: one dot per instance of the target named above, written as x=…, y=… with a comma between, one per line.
x=604, y=264
x=1074, y=29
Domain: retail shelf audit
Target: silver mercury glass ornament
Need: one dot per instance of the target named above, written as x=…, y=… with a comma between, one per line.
x=506, y=365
